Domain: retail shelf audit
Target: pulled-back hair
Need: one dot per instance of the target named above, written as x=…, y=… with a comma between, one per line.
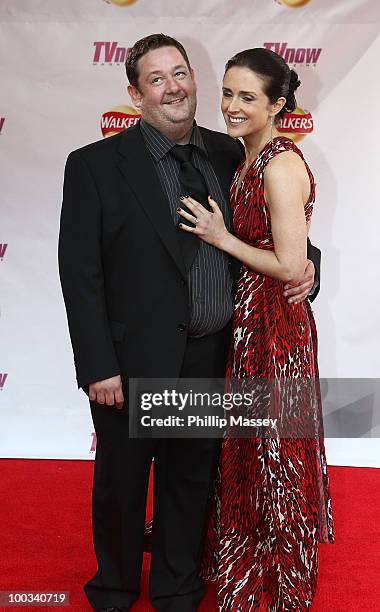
x=279, y=79
x=143, y=46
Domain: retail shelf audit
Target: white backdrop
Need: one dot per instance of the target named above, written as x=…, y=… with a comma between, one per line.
x=60, y=75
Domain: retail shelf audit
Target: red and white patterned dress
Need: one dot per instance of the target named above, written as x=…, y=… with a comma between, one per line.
x=272, y=504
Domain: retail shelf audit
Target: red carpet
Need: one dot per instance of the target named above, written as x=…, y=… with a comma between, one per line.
x=45, y=541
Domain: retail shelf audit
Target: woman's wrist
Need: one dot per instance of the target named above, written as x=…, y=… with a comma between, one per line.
x=224, y=242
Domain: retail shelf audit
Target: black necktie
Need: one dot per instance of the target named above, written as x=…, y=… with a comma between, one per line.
x=191, y=179
x=193, y=184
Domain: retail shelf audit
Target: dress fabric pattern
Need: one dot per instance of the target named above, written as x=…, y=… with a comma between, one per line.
x=272, y=502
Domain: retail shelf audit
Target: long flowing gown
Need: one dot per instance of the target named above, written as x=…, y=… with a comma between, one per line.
x=272, y=502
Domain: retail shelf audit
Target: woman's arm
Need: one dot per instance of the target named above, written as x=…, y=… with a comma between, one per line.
x=287, y=187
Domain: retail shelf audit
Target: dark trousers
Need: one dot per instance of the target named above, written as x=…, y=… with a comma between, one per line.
x=184, y=471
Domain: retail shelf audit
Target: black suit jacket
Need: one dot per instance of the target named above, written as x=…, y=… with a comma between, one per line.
x=123, y=279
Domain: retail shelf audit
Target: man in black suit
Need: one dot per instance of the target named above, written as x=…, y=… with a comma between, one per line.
x=144, y=300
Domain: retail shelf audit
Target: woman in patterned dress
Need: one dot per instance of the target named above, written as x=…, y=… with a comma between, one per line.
x=272, y=503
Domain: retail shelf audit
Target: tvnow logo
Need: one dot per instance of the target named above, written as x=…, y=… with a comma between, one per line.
x=3, y=248
x=107, y=52
x=2, y=119
x=3, y=378
x=93, y=443
x=295, y=55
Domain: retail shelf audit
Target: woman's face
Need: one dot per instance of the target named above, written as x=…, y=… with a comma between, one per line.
x=245, y=107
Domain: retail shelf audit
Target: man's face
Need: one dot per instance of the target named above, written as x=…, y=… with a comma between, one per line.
x=166, y=94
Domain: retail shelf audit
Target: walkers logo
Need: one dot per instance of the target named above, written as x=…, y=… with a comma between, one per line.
x=118, y=119
x=2, y=119
x=107, y=52
x=120, y=2
x=296, y=125
x=3, y=378
x=295, y=55
x=3, y=248
x=293, y=3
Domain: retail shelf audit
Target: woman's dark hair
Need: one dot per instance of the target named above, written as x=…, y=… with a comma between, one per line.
x=279, y=79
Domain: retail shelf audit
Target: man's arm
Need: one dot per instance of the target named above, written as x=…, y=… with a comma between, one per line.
x=81, y=274
x=314, y=254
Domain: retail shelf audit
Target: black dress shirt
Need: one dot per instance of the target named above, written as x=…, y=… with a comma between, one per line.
x=209, y=279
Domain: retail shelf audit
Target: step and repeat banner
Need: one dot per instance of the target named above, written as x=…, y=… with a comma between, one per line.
x=63, y=85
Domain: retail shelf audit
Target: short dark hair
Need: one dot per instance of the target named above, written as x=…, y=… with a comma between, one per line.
x=279, y=79
x=143, y=46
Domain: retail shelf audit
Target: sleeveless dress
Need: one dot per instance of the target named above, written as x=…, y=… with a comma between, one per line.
x=272, y=500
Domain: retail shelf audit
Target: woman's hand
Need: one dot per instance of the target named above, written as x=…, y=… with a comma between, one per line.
x=209, y=226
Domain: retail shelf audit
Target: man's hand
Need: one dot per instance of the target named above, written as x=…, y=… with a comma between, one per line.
x=299, y=292
x=108, y=391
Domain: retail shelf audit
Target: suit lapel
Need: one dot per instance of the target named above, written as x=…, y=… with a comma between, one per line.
x=137, y=168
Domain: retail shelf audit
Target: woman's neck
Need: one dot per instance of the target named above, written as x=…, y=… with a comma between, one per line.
x=255, y=143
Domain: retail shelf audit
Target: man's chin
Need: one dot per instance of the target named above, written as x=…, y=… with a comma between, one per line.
x=182, y=112
x=180, y=117
x=183, y=121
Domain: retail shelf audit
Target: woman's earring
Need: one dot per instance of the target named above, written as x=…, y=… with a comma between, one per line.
x=271, y=129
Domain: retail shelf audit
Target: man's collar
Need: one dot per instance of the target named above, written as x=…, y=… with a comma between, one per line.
x=197, y=140
x=159, y=144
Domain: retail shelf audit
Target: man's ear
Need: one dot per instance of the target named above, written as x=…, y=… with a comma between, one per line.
x=192, y=73
x=135, y=95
